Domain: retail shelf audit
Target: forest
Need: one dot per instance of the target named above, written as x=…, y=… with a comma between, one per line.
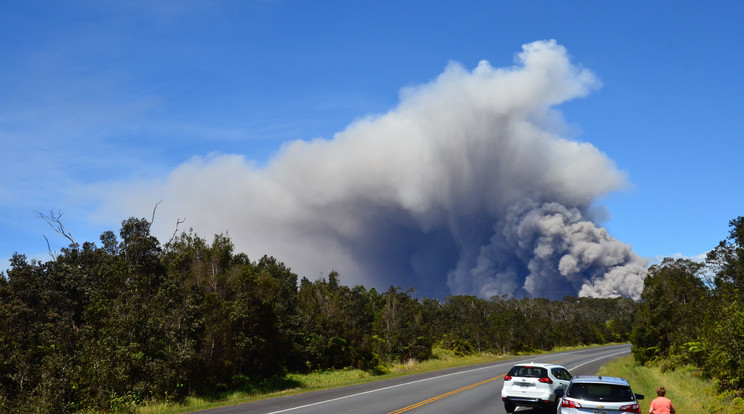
x=130, y=320
x=691, y=314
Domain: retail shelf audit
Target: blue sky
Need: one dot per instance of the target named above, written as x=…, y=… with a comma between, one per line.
x=101, y=95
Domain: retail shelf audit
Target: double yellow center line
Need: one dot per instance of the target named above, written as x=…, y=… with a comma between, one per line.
x=439, y=397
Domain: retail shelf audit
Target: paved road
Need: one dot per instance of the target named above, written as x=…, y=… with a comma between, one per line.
x=468, y=390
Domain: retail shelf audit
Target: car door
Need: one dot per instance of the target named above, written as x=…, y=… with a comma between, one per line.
x=563, y=377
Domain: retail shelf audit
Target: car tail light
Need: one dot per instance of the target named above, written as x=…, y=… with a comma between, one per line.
x=632, y=408
x=545, y=380
x=570, y=404
x=507, y=378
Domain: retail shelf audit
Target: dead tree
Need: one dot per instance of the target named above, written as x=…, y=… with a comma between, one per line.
x=55, y=222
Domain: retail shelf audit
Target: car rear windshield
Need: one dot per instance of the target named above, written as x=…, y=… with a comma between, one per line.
x=529, y=372
x=600, y=392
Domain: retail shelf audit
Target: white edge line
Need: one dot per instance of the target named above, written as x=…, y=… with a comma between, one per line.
x=385, y=388
x=597, y=359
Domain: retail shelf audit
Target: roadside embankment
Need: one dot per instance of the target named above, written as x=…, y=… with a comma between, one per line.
x=688, y=391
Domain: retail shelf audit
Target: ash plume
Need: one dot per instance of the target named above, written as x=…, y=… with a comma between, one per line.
x=465, y=187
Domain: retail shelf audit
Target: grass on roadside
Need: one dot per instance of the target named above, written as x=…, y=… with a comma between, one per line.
x=687, y=390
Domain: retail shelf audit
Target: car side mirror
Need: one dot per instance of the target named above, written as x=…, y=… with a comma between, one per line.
x=559, y=393
x=640, y=396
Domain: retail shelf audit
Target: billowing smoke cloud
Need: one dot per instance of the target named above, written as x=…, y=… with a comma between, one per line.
x=562, y=253
x=466, y=187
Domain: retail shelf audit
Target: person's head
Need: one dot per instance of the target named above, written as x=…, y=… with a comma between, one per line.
x=661, y=391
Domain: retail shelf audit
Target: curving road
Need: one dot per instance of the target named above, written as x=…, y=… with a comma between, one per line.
x=468, y=390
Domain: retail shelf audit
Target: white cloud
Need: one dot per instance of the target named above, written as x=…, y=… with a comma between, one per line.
x=420, y=196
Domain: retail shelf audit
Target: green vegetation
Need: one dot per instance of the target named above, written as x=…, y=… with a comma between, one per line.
x=691, y=315
x=688, y=390
x=133, y=322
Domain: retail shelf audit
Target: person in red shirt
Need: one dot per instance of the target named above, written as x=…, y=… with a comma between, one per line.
x=661, y=404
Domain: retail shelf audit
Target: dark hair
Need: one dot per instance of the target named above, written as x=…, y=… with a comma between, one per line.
x=660, y=391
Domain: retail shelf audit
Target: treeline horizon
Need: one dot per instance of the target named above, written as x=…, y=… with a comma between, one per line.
x=129, y=321
x=692, y=314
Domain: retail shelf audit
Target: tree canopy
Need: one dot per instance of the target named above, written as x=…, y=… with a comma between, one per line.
x=692, y=313
x=108, y=326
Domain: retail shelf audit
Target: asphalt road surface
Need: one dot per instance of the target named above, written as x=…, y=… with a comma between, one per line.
x=468, y=390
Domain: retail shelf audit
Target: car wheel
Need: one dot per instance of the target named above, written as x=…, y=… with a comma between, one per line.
x=509, y=406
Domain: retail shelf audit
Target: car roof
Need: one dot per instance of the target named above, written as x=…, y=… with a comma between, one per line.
x=600, y=379
x=539, y=365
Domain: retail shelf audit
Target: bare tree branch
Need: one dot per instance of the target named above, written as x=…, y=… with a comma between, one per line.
x=55, y=222
x=153, y=214
x=49, y=247
x=178, y=223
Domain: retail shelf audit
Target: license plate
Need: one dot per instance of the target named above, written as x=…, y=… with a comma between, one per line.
x=600, y=412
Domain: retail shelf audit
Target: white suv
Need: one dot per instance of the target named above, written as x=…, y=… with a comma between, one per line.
x=534, y=385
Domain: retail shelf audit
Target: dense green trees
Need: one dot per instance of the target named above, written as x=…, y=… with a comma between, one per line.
x=335, y=325
x=672, y=296
x=109, y=326
x=693, y=313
